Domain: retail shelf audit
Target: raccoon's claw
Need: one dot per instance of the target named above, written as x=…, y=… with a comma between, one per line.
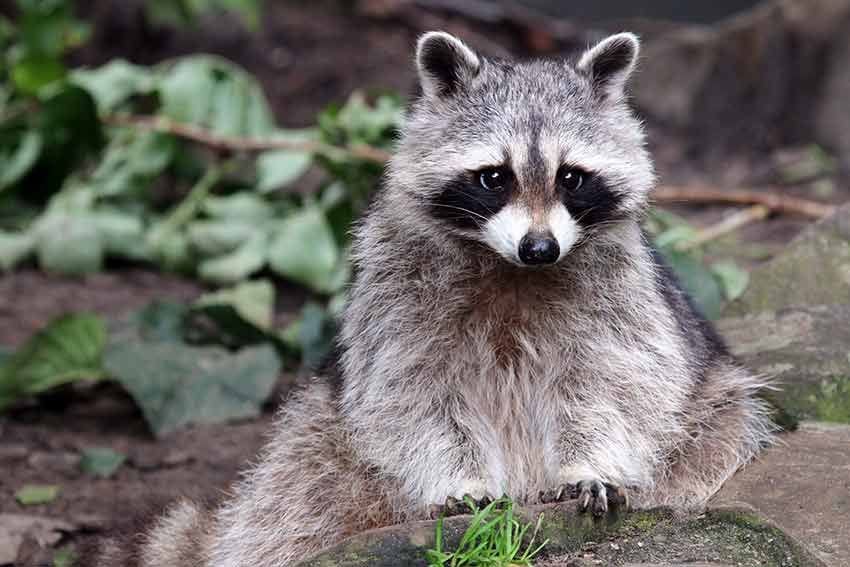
x=560, y=493
x=456, y=507
x=599, y=497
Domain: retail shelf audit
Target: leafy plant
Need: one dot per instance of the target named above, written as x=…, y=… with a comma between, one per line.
x=68, y=349
x=494, y=538
x=186, y=12
x=711, y=285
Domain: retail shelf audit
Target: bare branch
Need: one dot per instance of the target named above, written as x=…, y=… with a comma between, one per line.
x=774, y=202
x=243, y=144
x=729, y=224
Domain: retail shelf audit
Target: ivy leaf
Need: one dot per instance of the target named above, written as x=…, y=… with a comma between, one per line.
x=68, y=349
x=698, y=281
x=101, y=462
x=247, y=259
x=14, y=248
x=114, y=83
x=176, y=385
x=15, y=165
x=278, y=169
x=304, y=250
x=69, y=244
x=35, y=494
x=733, y=279
x=252, y=300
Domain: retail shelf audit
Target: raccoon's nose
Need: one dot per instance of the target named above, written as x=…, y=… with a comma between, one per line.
x=537, y=249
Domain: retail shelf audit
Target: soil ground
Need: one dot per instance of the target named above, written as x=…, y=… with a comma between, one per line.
x=307, y=55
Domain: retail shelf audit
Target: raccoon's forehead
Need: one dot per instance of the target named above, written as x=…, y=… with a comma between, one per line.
x=514, y=112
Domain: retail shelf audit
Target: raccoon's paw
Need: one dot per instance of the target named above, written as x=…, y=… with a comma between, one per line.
x=601, y=498
x=561, y=493
x=459, y=506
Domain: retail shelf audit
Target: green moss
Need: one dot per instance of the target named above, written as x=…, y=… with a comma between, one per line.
x=827, y=400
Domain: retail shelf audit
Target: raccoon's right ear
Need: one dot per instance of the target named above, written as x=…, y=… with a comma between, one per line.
x=610, y=63
x=445, y=64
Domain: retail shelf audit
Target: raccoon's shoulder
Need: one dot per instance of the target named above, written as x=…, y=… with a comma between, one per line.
x=703, y=340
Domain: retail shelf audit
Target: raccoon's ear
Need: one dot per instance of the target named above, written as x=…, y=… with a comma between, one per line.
x=445, y=64
x=610, y=62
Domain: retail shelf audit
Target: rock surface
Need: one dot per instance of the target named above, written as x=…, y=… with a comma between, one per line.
x=805, y=351
x=813, y=270
x=777, y=72
x=722, y=536
x=791, y=323
x=803, y=485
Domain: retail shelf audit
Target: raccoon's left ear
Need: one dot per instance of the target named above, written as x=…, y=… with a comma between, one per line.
x=445, y=64
x=610, y=62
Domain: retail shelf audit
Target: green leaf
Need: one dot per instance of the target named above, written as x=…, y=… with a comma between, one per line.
x=278, y=169
x=733, y=280
x=101, y=462
x=160, y=321
x=19, y=162
x=35, y=494
x=304, y=250
x=115, y=83
x=213, y=92
x=247, y=259
x=217, y=238
x=14, y=248
x=312, y=334
x=64, y=558
x=68, y=349
x=121, y=233
x=33, y=72
x=176, y=385
x=244, y=206
x=69, y=244
x=698, y=281
x=132, y=161
x=252, y=300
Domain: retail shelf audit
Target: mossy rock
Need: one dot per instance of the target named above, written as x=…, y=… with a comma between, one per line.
x=724, y=536
x=805, y=350
x=813, y=270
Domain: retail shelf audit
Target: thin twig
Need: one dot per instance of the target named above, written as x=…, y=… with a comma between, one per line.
x=244, y=144
x=774, y=202
x=729, y=224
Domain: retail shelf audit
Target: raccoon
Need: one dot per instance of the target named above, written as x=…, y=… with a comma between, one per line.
x=509, y=330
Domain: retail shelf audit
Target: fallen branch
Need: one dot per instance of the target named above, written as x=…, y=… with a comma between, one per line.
x=774, y=202
x=243, y=144
x=729, y=224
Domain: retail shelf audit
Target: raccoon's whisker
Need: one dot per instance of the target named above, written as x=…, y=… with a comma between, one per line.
x=463, y=210
x=477, y=200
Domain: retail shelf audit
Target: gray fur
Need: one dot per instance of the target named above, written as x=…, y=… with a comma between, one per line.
x=462, y=372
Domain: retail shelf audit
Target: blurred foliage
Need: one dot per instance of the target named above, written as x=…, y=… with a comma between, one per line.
x=92, y=170
x=186, y=12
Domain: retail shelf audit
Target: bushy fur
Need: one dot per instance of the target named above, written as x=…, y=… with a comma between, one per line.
x=461, y=372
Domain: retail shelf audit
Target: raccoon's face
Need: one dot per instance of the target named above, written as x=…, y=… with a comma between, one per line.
x=527, y=158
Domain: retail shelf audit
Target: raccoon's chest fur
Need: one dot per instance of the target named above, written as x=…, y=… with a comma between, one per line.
x=551, y=371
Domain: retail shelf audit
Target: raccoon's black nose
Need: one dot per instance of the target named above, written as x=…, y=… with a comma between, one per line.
x=537, y=249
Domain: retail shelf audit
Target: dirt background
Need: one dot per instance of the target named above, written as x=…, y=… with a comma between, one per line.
x=306, y=55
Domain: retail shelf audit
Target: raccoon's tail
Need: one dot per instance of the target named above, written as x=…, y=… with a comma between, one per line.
x=308, y=490
x=179, y=538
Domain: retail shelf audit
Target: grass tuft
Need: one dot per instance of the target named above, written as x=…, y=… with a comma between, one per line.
x=494, y=539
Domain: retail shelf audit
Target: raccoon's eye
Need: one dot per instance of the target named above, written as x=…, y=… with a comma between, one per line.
x=570, y=179
x=494, y=178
